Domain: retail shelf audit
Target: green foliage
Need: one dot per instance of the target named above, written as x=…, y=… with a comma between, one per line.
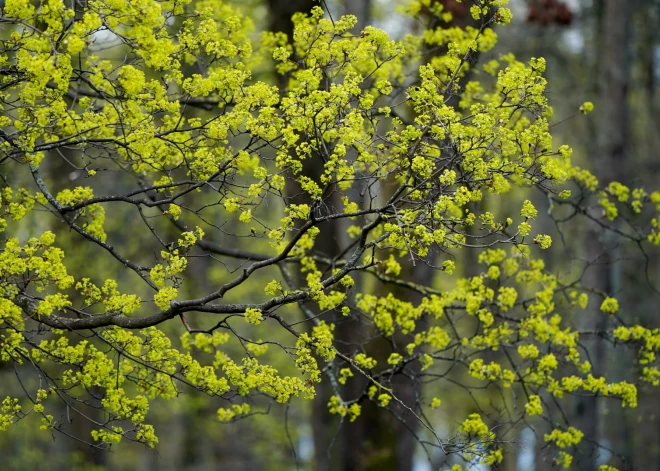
x=181, y=131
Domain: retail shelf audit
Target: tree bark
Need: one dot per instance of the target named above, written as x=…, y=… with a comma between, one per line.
x=612, y=141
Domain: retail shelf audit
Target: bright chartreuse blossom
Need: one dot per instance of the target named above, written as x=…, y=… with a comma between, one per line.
x=217, y=161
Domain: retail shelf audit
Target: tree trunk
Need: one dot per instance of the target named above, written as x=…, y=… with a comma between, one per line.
x=612, y=142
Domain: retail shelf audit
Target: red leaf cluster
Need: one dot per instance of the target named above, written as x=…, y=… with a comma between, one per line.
x=549, y=12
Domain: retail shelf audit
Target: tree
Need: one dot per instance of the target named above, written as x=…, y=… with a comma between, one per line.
x=612, y=142
x=185, y=181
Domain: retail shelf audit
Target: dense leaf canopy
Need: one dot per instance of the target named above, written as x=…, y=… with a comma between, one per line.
x=304, y=227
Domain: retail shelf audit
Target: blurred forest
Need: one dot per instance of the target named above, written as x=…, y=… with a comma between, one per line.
x=604, y=51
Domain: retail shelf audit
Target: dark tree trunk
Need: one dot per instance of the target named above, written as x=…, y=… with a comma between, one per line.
x=612, y=141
